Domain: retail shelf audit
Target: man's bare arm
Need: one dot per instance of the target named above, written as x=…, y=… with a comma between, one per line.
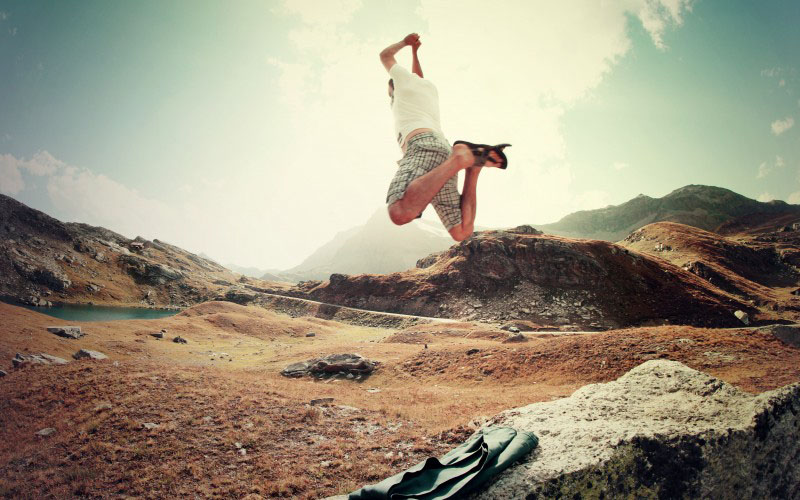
x=387, y=54
x=415, y=67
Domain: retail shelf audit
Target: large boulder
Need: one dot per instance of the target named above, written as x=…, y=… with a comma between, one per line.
x=87, y=354
x=662, y=430
x=331, y=364
x=69, y=332
x=37, y=359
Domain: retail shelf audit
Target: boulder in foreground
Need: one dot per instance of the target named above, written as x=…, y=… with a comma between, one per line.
x=662, y=430
x=87, y=354
x=332, y=364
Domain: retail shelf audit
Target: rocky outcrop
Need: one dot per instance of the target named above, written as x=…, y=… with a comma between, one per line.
x=347, y=364
x=662, y=430
x=44, y=261
x=87, y=354
x=69, y=332
x=504, y=275
x=148, y=272
x=36, y=359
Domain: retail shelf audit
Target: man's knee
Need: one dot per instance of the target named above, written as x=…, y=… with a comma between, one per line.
x=460, y=233
x=399, y=215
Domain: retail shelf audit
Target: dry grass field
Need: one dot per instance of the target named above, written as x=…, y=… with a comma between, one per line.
x=222, y=393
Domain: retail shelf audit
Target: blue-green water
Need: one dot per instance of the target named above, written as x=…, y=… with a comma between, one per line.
x=71, y=312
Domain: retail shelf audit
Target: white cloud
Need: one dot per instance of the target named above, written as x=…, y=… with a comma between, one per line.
x=765, y=197
x=765, y=168
x=619, y=165
x=322, y=12
x=3, y=15
x=794, y=198
x=781, y=126
x=11, y=181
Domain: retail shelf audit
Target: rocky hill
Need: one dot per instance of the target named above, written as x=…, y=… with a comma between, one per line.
x=44, y=260
x=761, y=269
x=705, y=207
x=550, y=280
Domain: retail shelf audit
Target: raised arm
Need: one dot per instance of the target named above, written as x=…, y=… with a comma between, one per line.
x=387, y=54
x=415, y=67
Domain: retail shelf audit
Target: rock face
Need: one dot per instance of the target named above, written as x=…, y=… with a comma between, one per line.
x=788, y=334
x=69, y=332
x=503, y=275
x=87, y=354
x=662, y=430
x=43, y=260
x=37, y=359
x=350, y=364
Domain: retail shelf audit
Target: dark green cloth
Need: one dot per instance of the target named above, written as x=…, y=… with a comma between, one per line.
x=457, y=473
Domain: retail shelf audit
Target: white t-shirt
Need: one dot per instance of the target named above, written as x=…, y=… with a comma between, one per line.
x=416, y=103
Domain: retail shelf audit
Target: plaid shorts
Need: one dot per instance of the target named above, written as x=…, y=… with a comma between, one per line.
x=424, y=152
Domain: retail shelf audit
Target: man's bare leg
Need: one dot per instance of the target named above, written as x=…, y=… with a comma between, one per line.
x=469, y=205
x=421, y=191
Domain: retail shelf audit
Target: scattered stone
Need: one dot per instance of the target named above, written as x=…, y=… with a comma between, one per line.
x=743, y=317
x=70, y=332
x=237, y=445
x=473, y=351
x=48, y=431
x=179, y=340
x=320, y=401
x=243, y=451
x=163, y=330
x=158, y=335
x=100, y=257
x=350, y=376
x=149, y=426
x=37, y=359
x=311, y=334
x=102, y=407
x=660, y=429
x=373, y=390
x=87, y=354
x=3, y=373
x=513, y=329
x=332, y=364
x=515, y=337
x=92, y=288
x=325, y=463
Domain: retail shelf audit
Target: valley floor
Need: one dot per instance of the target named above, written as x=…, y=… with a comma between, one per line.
x=222, y=393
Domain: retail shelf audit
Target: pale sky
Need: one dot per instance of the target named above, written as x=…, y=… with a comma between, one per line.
x=254, y=131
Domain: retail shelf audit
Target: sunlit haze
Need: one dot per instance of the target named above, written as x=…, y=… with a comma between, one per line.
x=254, y=131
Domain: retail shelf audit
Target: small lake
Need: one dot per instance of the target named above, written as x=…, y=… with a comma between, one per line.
x=72, y=312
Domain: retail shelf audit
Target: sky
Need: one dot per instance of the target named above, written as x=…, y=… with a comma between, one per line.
x=254, y=131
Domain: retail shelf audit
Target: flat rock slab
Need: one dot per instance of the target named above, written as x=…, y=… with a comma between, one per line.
x=661, y=430
x=69, y=332
x=37, y=359
x=349, y=364
x=87, y=354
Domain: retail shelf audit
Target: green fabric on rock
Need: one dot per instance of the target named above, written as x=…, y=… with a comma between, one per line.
x=458, y=472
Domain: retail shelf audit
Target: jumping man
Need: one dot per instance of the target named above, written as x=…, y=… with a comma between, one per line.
x=428, y=171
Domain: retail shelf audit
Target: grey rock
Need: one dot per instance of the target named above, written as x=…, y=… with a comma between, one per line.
x=516, y=337
x=92, y=288
x=472, y=351
x=48, y=431
x=788, y=334
x=743, y=317
x=37, y=359
x=158, y=335
x=103, y=407
x=70, y=332
x=149, y=426
x=3, y=373
x=87, y=354
x=146, y=272
x=243, y=451
x=513, y=329
x=320, y=401
x=662, y=429
x=342, y=364
x=311, y=334
x=241, y=296
x=180, y=340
